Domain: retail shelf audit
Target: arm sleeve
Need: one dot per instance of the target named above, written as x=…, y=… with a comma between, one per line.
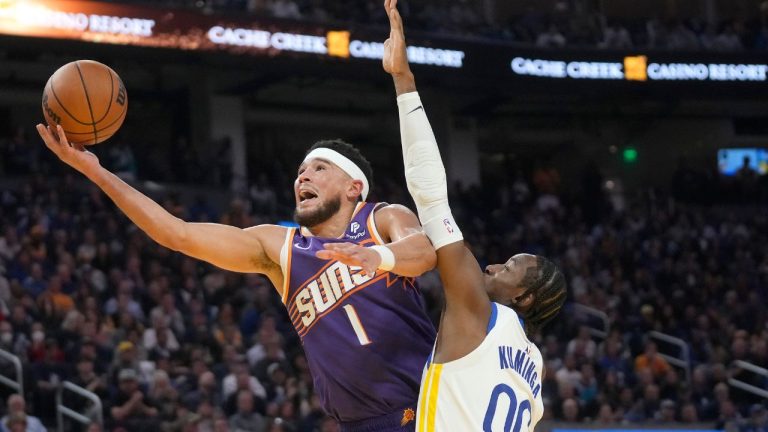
x=425, y=173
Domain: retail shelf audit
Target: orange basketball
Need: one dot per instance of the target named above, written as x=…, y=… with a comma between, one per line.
x=88, y=100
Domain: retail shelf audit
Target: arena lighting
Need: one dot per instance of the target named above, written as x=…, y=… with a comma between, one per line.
x=637, y=68
x=36, y=14
x=416, y=54
x=126, y=24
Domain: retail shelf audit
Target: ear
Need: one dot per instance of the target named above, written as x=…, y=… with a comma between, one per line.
x=355, y=190
x=523, y=301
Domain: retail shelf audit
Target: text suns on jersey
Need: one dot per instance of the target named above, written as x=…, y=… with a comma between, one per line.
x=322, y=293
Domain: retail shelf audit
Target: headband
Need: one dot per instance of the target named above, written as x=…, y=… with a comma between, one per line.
x=342, y=162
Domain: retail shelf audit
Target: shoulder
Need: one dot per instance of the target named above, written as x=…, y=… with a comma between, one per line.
x=267, y=229
x=395, y=221
x=272, y=239
x=269, y=235
x=511, y=317
x=385, y=212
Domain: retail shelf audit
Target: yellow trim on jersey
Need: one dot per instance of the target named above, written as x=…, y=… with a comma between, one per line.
x=429, y=409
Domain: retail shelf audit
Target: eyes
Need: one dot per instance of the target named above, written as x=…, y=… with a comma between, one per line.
x=319, y=167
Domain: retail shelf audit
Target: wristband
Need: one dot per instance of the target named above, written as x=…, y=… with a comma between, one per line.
x=387, y=257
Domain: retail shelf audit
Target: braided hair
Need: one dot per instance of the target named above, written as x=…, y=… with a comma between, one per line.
x=547, y=284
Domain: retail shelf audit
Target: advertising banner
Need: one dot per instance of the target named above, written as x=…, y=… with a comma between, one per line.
x=470, y=60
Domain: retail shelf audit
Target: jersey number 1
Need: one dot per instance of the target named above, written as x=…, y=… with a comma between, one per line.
x=515, y=411
x=357, y=326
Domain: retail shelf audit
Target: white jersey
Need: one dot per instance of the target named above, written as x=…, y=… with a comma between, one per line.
x=496, y=387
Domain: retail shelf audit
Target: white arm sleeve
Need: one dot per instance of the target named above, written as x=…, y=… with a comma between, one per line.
x=425, y=173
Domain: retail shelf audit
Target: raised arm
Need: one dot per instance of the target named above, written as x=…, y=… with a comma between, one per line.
x=224, y=246
x=414, y=254
x=411, y=252
x=426, y=179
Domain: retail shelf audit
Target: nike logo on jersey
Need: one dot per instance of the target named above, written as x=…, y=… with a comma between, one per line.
x=522, y=364
x=415, y=109
x=299, y=246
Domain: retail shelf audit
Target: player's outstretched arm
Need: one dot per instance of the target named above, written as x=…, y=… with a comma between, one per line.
x=426, y=180
x=407, y=251
x=228, y=247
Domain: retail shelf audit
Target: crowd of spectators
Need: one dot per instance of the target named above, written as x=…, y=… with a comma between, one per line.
x=173, y=344
x=565, y=23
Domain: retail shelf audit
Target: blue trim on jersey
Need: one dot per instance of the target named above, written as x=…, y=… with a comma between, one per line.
x=492, y=321
x=522, y=322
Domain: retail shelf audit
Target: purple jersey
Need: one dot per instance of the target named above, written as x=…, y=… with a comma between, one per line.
x=366, y=338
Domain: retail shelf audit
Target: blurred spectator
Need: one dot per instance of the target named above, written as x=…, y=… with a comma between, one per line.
x=17, y=419
x=570, y=410
x=696, y=271
x=582, y=348
x=130, y=408
x=667, y=414
x=728, y=40
x=651, y=360
x=121, y=161
x=757, y=421
x=552, y=38
x=16, y=423
x=287, y=9
x=245, y=419
x=616, y=36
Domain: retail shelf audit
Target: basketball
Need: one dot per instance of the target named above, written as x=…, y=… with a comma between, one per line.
x=88, y=99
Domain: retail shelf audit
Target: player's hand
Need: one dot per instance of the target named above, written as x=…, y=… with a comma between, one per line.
x=395, y=60
x=74, y=155
x=352, y=255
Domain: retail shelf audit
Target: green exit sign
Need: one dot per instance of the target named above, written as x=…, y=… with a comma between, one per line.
x=629, y=155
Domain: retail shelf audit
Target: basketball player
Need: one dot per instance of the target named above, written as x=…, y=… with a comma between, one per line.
x=484, y=373
x=364, y=329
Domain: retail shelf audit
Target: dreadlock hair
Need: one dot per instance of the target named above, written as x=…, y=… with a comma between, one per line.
x=350, y=152
x=547, y=284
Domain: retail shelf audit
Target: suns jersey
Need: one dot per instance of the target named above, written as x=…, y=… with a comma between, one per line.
x=366, y=338
x=496, y=387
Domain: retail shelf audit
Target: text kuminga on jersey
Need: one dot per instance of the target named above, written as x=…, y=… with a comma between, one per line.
x=522, y=364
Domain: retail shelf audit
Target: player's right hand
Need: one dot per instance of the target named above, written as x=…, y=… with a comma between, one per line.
x=74, y=155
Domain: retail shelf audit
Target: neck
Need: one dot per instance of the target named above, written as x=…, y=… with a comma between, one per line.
x=336, y=225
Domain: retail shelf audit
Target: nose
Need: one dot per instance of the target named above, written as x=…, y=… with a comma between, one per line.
x=492, y=269
x=304, y=177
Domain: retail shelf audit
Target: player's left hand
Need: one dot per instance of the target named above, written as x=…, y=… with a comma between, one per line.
x=395, y=60
x=352, y=255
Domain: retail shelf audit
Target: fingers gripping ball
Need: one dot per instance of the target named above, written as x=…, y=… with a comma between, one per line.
x=88, y=99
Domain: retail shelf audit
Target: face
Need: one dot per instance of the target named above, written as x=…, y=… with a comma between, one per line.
x=507, y=283
x=319, y=189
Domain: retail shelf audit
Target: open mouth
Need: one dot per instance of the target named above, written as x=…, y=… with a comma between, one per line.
x=307, y=196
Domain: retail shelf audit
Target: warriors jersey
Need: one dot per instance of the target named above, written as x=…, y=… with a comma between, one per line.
x=366, y=338
x=496, y=387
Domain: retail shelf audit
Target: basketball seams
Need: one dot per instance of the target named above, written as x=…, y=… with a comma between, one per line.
x=120, y=118
x=68, y=100
x=111, y=94
x=88, y=100
x=58, y=101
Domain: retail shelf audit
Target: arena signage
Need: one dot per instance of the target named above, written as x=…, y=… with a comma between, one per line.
x=146, y=26
x=637, y=68
x=473, y=62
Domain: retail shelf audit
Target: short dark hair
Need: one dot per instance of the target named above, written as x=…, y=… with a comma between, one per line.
x=350, y=152
x=549, y=290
